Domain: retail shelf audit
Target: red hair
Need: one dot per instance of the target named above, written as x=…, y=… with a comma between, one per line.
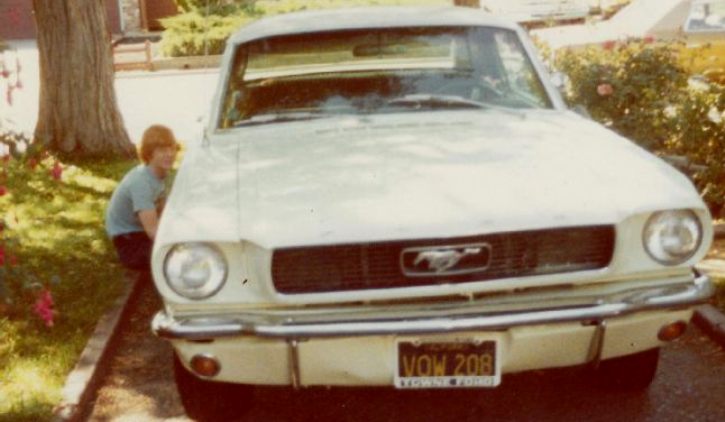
x=156, y=136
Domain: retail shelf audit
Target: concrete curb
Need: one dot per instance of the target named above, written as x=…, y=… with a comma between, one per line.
x=145, y=74
x=186, y=63
x=712, y=267
x=719, y=230
x=78, y=388
x=709, y=318
x=712, y=322
x=164, y=65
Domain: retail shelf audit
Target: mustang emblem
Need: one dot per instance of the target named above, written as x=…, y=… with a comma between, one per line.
x=445, y=260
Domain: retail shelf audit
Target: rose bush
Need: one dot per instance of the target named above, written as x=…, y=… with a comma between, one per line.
x=20, y=292
x=639, y=90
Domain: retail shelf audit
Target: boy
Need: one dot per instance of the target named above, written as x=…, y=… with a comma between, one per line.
x=133, y=213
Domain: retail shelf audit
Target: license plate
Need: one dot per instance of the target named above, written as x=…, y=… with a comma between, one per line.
x=452, y=364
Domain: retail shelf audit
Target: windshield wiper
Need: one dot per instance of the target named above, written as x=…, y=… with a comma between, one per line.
x=433, y=101
x=262, y=119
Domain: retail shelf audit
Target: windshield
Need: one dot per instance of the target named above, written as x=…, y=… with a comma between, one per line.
x=379, y=71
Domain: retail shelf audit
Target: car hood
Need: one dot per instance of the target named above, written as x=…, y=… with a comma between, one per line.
x=415, y=175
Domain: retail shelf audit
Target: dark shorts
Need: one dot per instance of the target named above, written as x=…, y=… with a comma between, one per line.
x=134, y=250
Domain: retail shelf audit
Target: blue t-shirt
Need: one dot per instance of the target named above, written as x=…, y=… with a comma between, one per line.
x=139, y=190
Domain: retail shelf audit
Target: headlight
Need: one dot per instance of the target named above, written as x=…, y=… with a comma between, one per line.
x=195, y=270
x=672, y=237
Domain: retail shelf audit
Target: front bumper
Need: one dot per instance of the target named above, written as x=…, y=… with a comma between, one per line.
x=585, y=305
x=355, y=345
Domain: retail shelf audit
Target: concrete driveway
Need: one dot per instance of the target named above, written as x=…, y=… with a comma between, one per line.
x=173, y=98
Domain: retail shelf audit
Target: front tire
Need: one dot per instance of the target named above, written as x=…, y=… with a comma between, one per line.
x=628, y=373
x=208, y=400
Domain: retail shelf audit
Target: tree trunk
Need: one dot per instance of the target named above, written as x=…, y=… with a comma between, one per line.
x=78, y=112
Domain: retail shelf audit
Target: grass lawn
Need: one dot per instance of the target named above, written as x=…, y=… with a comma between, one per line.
x=52, y=238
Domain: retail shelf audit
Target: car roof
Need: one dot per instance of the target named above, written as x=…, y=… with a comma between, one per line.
x=365, y=18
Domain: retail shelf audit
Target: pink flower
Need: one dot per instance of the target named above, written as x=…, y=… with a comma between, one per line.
x=3, y=190
x=609, y=45
x=44, y=307
x=57, y=171
x=605, y=90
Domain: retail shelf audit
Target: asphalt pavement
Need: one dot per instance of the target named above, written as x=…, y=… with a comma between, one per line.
x=139, y=386
x=134, y=382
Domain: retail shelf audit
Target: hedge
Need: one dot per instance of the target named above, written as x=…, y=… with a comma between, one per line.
x=641, y=91
x=202, y=29
x=192, y=34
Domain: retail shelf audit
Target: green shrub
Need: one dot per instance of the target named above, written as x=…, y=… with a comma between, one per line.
x=641, y=91
x=271, y=7
x=697, y=127
x=287, y=6
x=192, y=34
x=641, y=78
x=187, y=5
x=203, y=29
x=191, y=5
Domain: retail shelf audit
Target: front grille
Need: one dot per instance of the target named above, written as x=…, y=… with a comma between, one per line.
x=364, y=266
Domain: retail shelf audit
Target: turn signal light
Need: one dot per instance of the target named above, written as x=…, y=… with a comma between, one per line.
x=205, y=365
x=672, y=331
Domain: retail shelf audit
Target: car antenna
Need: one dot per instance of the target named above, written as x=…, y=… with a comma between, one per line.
x=205, y=136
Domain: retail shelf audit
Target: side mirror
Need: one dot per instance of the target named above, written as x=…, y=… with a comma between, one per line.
x=560, y=81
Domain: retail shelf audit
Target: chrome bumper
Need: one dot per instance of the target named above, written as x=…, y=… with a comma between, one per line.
x=593, y=305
